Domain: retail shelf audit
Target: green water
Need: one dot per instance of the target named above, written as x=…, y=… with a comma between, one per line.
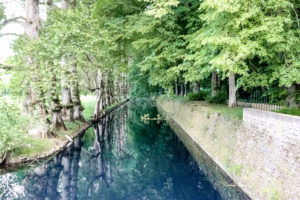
x=120, y=157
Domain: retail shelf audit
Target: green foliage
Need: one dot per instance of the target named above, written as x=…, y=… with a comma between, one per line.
x=290, y=111
x=201, y=95
x=12, y=133
x=256, y=40
x=277, y=95
x=139, y=85
x=220, y=98
x=2, y=14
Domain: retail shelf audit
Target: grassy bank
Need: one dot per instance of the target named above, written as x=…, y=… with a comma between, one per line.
x=235, y=113
x=14, y=127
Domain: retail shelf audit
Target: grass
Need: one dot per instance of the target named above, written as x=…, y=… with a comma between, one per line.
x=231, y=113
x=72, y=127
x=113, y=105
x=31, y=146
x=175, y=97
x=228, y=113
x=88, y=103
x=290, y=111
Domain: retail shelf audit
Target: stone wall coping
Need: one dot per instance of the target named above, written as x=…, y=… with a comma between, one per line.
x=271, y=115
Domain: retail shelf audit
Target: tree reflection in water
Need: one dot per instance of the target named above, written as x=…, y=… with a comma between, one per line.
x=120, y=157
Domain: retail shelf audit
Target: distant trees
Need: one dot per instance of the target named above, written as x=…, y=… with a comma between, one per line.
x=253, y=44
x=173, y=46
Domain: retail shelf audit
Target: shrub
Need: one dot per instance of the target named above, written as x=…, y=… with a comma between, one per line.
x=11, y=133
x=220, y=98
x=197, y=97
x=290, y=111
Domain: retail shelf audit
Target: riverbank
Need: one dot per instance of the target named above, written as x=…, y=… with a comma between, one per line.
x=57, y=144
x=258, y=162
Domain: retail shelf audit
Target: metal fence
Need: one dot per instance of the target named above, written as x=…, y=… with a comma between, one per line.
x=261, y=106
x=259, y=100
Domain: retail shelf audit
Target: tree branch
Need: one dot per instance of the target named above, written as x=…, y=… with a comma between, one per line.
x=7, y=34
x=15, y=19
x=93, y=89
x=7, y=67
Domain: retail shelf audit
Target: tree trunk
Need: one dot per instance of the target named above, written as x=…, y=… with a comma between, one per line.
x=117, y=84
x=32, y=29
x=98, y=108
x=66, y=101
x=67, y=104
x=74, y=3
x=181, y=90
x=176, y=88
x=33, y=24
x=196, y=88
x=105, y=92
x=67, y=111
x=214, y=84
x=75, y=95
x=126, y=87
x=218, y=83
x=64, y=4
x=232, y=92
x=122, y=85
x=57, y=121
x=50, y=4
x=185, y=89
x=291, y=101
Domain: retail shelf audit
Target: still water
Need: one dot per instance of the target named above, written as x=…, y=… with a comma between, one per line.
x=120, y=157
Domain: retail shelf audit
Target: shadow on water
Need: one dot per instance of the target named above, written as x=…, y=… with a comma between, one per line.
x=120, y=157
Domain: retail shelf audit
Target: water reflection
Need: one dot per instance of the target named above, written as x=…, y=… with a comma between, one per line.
x=120, y=157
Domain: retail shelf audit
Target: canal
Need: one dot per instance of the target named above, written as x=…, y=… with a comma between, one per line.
x=119, y=157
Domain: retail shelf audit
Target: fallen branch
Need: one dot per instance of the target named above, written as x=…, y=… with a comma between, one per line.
x=7, y=67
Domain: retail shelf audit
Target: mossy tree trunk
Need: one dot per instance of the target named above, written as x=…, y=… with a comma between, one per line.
x=176, y=88
x=32, y=29
x=291, y=99
x=75, y=95
x=182, y=90
x=66, y=100
x=232, y=92
x=99, y=100
x=56, y=108
x=213, y=84
x=196, y=88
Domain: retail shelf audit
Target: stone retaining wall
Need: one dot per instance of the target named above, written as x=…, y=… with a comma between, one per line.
x=261, y=155
x=279, y=125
